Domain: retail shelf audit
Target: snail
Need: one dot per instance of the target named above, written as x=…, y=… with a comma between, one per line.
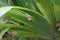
x=29, y=17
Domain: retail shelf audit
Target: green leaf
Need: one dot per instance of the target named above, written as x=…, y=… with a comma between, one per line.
x=31, y=27
x=57, y=10
x=18, y=14
x=3, y=32
x=30, y=4
x=57, y=14
x=4, y=3
x=47, y=9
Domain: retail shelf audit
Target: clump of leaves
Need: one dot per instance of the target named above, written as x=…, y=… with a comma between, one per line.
x=32, y=19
